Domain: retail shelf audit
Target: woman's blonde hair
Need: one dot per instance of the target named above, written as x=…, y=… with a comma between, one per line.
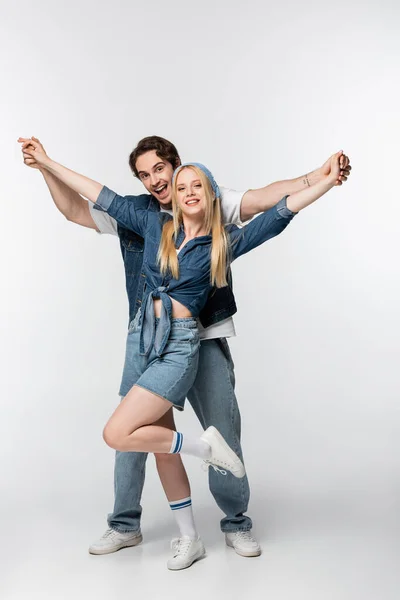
x=167, y=255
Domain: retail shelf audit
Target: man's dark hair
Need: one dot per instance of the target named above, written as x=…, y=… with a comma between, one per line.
x=164, y=150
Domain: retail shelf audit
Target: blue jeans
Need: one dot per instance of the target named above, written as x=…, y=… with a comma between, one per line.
x=214, y=402
x=172, y=374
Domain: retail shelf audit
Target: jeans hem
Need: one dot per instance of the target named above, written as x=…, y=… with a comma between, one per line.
x=236, y=530
x=124, y=530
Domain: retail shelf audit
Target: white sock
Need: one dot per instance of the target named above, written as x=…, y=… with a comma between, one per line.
x=183, y=514
x=187, y=445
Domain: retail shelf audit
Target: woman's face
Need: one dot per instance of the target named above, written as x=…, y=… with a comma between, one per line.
x=190, y=193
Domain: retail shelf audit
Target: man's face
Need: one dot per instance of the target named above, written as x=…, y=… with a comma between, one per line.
x=156, y=176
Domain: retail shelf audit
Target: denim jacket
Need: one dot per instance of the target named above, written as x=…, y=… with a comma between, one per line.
x=221, y=301
x=132, y=246
x=193, y=286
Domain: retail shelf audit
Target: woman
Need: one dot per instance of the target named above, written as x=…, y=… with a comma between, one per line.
x=184, y=258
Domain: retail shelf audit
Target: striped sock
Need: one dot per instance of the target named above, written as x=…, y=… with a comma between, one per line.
x=183, y=513
x=187, y=445
x=176, y=443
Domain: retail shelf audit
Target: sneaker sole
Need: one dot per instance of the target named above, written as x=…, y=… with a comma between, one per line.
x=213, y=433
x=246, y=554
x=128, y=544
x=197, y=557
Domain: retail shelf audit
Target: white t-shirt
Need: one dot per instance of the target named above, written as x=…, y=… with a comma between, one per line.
x=230, y=205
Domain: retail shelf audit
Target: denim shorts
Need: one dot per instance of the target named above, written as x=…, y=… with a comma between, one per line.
x=171, y=375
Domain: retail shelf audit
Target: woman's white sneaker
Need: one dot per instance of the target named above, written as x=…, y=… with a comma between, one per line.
x=112, y=540
x=243, y=543
x=222, y=455
x=186, y=551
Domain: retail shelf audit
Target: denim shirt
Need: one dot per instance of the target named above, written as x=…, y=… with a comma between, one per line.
x=221, y=302
x=132, y=246
x=193, y=285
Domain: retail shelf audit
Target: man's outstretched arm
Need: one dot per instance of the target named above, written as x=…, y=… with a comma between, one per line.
x=69, y=203
x=260, y=200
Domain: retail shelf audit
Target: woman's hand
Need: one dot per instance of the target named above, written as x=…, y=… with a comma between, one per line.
x=33, y=152
x=344, y=170
x=303, y=198
x=28, y=160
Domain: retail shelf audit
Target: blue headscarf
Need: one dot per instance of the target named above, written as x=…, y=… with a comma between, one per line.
x=206, y=172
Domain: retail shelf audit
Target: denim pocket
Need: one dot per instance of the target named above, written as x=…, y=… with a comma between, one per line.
x=182, y=335
x=131, y=241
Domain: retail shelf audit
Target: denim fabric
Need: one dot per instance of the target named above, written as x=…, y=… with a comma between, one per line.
x=213, y=399
x=150, y=339
x=221, y=301
x=193, y=286
x=132, y=246
x=172, y=375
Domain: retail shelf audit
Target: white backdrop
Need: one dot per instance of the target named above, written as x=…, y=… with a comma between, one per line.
x=257, y=91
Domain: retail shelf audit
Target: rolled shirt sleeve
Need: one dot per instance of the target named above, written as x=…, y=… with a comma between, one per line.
x=124, y=210
x=264, y=227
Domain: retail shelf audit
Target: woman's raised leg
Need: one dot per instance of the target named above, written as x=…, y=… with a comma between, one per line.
x=132, y=428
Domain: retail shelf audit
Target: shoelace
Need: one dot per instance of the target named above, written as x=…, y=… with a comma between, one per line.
x=245, y=535
x=207, y=464
x=109, y=533
x=180, y=546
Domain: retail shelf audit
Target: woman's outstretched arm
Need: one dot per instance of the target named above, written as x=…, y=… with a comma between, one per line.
x=299, y=200
x=272, y=222
x=260, y=200
x=124, y=209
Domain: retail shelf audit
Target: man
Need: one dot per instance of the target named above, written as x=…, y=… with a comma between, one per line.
x=212, y=397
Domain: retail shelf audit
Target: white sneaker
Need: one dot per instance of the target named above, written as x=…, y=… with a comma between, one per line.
x=243, y=543
x=221, y=454
x=186, y=551
x=112, y=540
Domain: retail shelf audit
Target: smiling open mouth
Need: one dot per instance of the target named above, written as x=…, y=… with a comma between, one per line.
x=161, y=189
x=192, y=202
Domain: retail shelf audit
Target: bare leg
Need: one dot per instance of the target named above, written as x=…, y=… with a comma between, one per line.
x=130, y=428
x=170, y=467
x=176, y=486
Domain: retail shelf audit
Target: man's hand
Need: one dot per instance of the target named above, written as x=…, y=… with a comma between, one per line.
x=344, y=168
x=33, y=152
x=309, y=194
x=333, y=168
x=28, y=160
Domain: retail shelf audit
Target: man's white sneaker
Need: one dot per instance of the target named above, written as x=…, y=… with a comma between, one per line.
x=221, y=454
x=186, y=551
x=113, y=540
x=243, y=543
